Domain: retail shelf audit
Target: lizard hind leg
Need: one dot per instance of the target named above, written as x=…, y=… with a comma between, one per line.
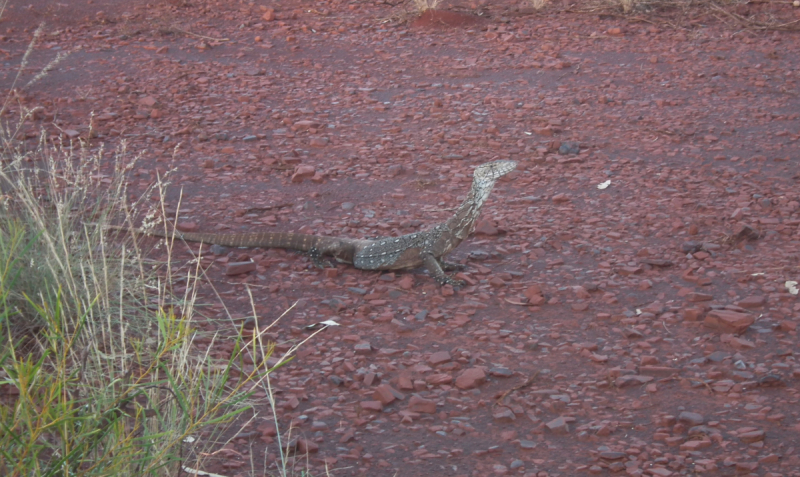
x=435, y=269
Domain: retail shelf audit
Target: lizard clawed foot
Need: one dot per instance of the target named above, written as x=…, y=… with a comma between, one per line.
x=316, y=259
x=446, y=280
x=452, y=266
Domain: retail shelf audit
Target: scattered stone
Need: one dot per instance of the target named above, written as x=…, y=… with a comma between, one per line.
x=239, y=268
x=386, y=394
x=523, y=444
x=486, y=227
x=437, y=379
x=319, y=141
x=558, y=425
x=303, y=172
x=632, y=380
x=691, y=418
x=439, y=357
x=375, y=406
x=305, y=125
x=755, y=301
x=471, y=378
x=501, y=372
x=698, y=297
x=362, y=348
x=728, y=321
x=421, y=405
x=569, y=147
x=752, y=436
x=612, y=456
x=504, y=415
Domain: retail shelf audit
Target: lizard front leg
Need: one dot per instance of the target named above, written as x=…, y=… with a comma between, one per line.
x=316, y=258
x=435, y=269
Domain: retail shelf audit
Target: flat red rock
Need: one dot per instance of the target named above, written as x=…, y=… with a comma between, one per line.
x=727, y=321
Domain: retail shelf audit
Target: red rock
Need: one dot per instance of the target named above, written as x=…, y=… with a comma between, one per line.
x=504, y=415
x=534, y=295
x=269, y=15
x=239, y=268
x=268, y=429
x=319, y=141
x=291, y=403
x=148, y=101
x=471, y=378
x=693, y=445
x=598, y=358
x=727, y=321
x=648, y=360
x=537, y=301
x=561, y=198
x=741, y=343
x=386, y=394
x=628, y=271
x=306, y=447
x=692, y=314
x=305, y=125
x=421, y=405
x=752, y=436
x=657, y=370
x=660, y=471
x=754, y=301
x=581, y=292
x=631, y=380
x=437, y=379
x=405, y=383
x=698, y=297
x=406, y=282
x=691, y=418
x=362, y=348
x=558, y=425
x=303, y=172
x=486, y=227
x=186, y=226
x=438, y=358
x=375, y=406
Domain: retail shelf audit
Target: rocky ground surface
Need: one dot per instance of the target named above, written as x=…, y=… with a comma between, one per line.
x=629, y=307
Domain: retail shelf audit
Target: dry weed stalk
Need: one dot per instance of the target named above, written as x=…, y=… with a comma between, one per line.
x=423, y=5
x=538, y=4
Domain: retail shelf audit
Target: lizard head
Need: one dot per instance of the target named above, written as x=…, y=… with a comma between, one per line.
x=491, y=171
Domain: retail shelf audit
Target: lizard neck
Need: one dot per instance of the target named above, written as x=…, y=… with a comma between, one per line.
x=463, y=222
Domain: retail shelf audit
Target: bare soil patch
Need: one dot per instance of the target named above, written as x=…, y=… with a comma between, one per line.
x=445, y=19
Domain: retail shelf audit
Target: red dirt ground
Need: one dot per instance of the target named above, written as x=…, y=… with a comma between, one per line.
x=586, y=341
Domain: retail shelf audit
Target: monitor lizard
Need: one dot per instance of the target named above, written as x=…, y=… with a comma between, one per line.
x=425, y=248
